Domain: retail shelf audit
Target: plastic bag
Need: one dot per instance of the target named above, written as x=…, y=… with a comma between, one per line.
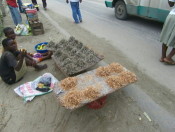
x=44, y=84
x=22, y=29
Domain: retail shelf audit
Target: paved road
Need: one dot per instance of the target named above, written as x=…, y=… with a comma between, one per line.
x=138, y=40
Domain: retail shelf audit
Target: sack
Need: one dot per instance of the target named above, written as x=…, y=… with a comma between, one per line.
x=28, y=90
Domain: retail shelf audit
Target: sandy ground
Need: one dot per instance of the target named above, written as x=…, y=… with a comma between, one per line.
x=44, y=114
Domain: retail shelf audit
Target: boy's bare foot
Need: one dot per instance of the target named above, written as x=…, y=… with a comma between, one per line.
x=40, y=67
x=49, y=54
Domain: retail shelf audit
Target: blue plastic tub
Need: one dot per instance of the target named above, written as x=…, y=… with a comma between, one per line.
x=30, y=6
x=41, y=51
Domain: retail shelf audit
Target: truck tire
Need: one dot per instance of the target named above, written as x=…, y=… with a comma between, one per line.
x=120, y=10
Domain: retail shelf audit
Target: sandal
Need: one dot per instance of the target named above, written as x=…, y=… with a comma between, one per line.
x=161, y=60
x=168, y=61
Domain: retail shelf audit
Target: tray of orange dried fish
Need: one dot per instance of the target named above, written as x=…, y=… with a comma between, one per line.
x=74, y=92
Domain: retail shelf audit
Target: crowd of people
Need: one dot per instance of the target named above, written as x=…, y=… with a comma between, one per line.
x=15, y=7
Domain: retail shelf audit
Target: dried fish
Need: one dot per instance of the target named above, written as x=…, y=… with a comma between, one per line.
x=121, y=80
x=115, y=68
x=71, y=39
x=73, y=52
x=68, y=49
x=91, y=59
x=85, y=88
x=114, y=82
x=50, y=44
x=79, y=45
x=108, y=70
x=63, y=57
x=68, y=83
x=128, y=77
x=62, y=42
x=72, y=43
x=72, y=99
x=84, y=50
x=102, y=71
x=66, y=62
x=91, y=92
x=80, y=56
x=70, y=69
x=58, y=46
x=58, y=53
x=80, y=64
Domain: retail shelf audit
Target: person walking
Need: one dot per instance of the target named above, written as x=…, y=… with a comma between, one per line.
x=75, y=10
x=167, y=36
x=16, y=16
x=44, y=4
x=20, y=4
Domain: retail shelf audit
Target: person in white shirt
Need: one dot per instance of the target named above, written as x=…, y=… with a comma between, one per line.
x=167, y=36
x=75, y=10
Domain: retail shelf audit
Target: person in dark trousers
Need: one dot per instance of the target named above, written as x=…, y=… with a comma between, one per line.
x=36, y=4
x=13, y=64
x=75, y=10
x=16, y=16
x=20, y=4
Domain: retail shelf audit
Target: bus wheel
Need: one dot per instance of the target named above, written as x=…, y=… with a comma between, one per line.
x=120, y=10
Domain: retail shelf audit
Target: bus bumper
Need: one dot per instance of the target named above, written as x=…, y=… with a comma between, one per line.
x=108, y=4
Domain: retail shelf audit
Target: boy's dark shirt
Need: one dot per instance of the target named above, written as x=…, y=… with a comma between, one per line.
x=7, y=64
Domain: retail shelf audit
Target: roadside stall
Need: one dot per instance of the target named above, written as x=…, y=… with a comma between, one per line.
x=32, y=17
x=74, y=92
x=82, y=86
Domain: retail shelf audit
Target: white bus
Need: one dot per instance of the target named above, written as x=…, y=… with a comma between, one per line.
x=152, y=9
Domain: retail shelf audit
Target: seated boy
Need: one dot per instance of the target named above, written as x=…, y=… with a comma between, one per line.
x=9, y=33
x=13, y=62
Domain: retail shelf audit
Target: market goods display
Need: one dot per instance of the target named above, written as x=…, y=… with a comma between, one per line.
x=91, y=92
x=71, y=99
x=72, y=57
x=118, y=81
x=41, y=47
x=112, y=68
x=68, y=83
x=74, y=92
